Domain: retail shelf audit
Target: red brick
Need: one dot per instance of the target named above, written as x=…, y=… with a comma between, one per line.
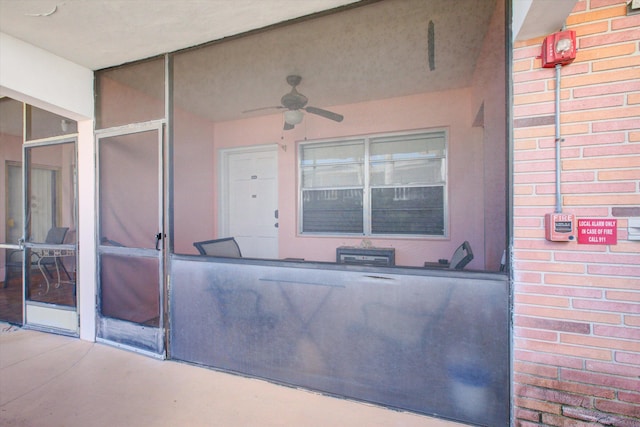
x=612, y=150
x=606, y=187
x=615, y=125
x=593, y=281
x=603, y=77
x=571, y=387
x=535, y=255
x=528, y=52
x=616, y=64
x=553, y=360
x=600, y=379
x=614, y=270
x=614, y=369
x=553, y=420
x=629, y=397
x=592, y=103
x=532, y=178
x=595, y=4
x=620, y=408
x=570, y=350
x=553, y=325
x=597, y=163
x=597, y=258
x=577, y=315
x=527, y=87
x=607, y=89
x=550, y=267
x=617, y=332
x=624, y=296
x=599, y=418
x=529, y=277
x=559, y=290
x=632, y=320
x=595, y=200
x=529, y=110
x=526, y=414
x=632, y=21
x=610, y=38
x=619, y=175
x=603, y=52
x=537, y=405
x=553, y=396
x=591, y=28
x=536, y=369
x=536, y=166
x=617, y=307
x=632, y=358
x=535, y=334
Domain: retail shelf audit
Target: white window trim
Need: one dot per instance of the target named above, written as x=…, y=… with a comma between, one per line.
x=366, y=187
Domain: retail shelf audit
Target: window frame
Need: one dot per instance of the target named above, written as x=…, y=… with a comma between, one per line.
x=367, y=186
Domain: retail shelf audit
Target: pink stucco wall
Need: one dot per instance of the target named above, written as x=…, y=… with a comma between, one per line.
x=449, y=110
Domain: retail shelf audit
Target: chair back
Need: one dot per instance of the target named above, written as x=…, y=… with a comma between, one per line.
x=461, y=257
x=56, y=235
x=227, y=247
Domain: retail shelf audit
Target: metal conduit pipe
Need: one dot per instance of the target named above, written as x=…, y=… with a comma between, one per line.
x=558, y=141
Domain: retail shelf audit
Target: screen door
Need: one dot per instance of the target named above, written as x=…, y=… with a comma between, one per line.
x=130, y=238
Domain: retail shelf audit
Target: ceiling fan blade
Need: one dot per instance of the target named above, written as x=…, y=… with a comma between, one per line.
x=287, y=126
x=279, y=107
x=324, y=113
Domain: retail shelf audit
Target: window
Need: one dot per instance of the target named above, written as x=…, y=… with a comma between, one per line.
x=378, y=185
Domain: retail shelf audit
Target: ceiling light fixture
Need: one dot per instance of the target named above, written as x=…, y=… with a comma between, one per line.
x=293, y=117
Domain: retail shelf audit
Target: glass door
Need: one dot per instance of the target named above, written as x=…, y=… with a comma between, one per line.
x=130, y=238
x=50, y=224
x=11, y=250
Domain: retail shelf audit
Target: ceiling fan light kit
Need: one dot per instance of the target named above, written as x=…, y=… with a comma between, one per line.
x=293, y=117
x=294, y=102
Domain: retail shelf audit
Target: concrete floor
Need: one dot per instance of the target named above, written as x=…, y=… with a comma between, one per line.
x=51, y=380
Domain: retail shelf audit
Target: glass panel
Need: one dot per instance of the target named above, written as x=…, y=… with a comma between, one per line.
x=130, y=94
x=51, y=220
x=129, y=289
x=51, y=193
x=51, y=276
x=43, y=124
x=11, y=295
x=332, y=165
x=409, y=147
x=407, y=210
x=129, y=197
x=332, y=176
x=334, y=211
x=323, y=154
x=407, y=172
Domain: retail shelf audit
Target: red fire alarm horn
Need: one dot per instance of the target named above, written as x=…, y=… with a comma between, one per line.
x=559, y=48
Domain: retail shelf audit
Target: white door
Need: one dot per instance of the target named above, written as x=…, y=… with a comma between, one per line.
x=249, y=207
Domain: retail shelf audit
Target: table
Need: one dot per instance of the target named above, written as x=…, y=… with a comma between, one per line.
x=55, y=254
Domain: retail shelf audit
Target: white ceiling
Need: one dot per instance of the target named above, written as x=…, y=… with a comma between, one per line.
x=103, y=33
x=375, y=50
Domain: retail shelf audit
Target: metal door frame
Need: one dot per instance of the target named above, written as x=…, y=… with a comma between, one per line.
x=132, y=336
x=49, y=317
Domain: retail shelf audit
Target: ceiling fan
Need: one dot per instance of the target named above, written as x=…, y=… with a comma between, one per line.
x=293, y=102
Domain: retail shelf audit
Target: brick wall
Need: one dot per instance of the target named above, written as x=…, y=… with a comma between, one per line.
x=577, y=306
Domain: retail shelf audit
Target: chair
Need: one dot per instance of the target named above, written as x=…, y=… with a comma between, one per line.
x=55, y=236
x=460, y=258
x=227, y=247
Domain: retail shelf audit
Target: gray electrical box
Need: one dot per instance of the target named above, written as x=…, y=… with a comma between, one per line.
x=633, y=229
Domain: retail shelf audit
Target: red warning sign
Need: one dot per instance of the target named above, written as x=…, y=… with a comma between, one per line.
x=598, y=231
